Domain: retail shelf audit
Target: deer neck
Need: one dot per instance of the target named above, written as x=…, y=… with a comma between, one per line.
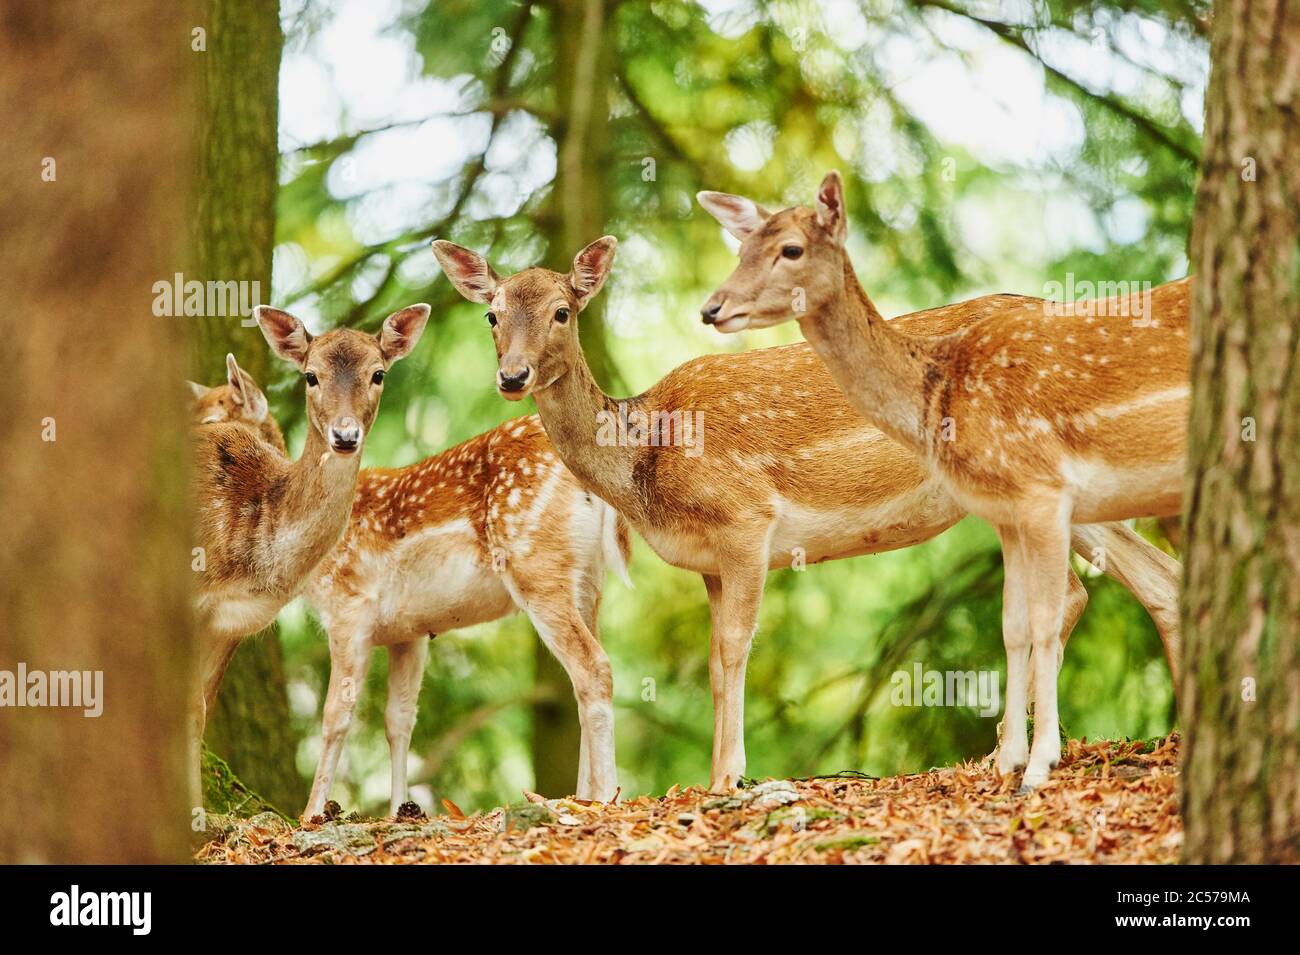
x=882, y=373
x=319, y=489
x=572, y=410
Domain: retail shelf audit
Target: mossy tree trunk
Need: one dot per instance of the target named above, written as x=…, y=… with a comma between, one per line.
x=580, y=31
x=1241, y=613
x=234, y=237
x=94, y=568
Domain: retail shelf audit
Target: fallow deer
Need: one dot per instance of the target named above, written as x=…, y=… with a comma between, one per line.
x=263, y=521
x=1029, y=414
x=239, y=400
x=785, y=464
x=490, y=527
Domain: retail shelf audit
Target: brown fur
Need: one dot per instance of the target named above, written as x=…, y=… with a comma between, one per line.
x=223, y=403
x=1006, y=366
x=471, y=481
x=249, y=494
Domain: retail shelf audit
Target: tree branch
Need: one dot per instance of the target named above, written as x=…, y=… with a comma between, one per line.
x=500, y=84
x=706, y=174
x=496, y=106
x=1014, y=36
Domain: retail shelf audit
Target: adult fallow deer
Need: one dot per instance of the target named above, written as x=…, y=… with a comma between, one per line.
x=1030, y=414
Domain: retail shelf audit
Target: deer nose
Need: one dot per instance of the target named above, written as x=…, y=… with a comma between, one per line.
x=514, y=380
x=345, y=436
x=710, y=311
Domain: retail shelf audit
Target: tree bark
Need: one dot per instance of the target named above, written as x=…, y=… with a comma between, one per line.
x=234, y=230
x=580, y=34
x=94, y=565
x=1241, y=612
x=234, y=236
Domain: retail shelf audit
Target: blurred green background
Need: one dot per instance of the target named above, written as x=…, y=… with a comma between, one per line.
x=987, y=147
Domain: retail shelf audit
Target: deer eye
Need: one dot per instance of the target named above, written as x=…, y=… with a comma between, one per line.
x=492, y=319
x=561, y=314
x=792, y=252
x=312, y=380
x=377, y=378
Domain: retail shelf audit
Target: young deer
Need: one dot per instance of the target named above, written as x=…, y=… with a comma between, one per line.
x=239, y=400
x=1029, y=414
x=783, y=465
x=485, y=529
x=264, y=521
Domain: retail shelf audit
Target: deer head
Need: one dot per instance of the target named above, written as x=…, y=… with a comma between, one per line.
x=344, y=369
x=239, y=399
x=791, y=262
x=533, y=313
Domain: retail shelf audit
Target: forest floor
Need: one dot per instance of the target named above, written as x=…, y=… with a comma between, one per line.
x=1107, y=802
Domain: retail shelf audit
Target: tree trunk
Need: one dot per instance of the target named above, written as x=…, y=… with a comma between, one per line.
x=234, y=237
x=94, y=566
x=1241, y=614
x=580, y=32
x=234, y=232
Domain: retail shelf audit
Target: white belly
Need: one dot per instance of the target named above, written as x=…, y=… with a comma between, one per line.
x=1104, y=492
x=813, y=534
x=229, y=615
x=432, y=582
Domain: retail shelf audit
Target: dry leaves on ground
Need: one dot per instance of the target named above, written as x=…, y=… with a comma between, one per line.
x=1108, y=802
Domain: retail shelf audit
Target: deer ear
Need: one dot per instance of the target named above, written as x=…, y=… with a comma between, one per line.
x=467, y=270
x=287, y=336
x=831, y=215
x=401, y=331
x=233, y=378
x=197, y=391
x=738, y=215
x=591, y=267
x=246, y=391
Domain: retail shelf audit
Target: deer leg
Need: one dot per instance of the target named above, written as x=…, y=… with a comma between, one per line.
x=214, y=660
x=198, y=717
x=1013, y=747
x=405, y=672
x=590, y=610
x=561, y=627
x=1076, y=599
x=214, y=657
x=349, y=661
x=734, y=600
x=1152, y=576
x=1045, y=551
